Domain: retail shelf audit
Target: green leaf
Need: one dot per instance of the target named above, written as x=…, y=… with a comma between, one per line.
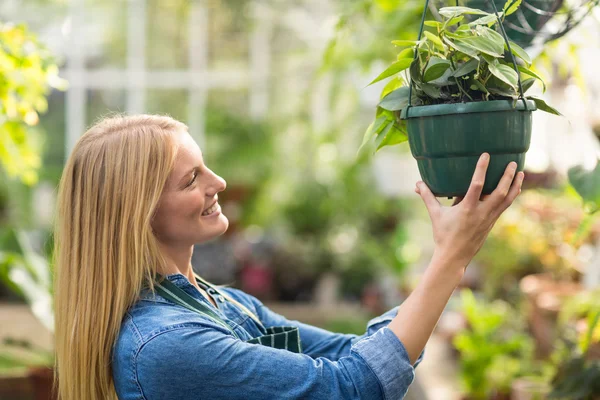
x=381, y=135
x=407, y=53
x=503, y=72
x=532, y=74
x=491, y=34
x=462, y=47
x=374, y=128
x=466, y=68
x=415, y=71
x=519, y=52
x=435, y=40
x=404, y=43
x=504, y=92
x=541, y=104
x=488, y=20
x=482, y=44
x=453, y=21
x=392, y=85
x=430, y=90
x=476, y=85
x=451, y=12
x=511, y=6
x=395, y=135
x=393, y=69
x=435, y=68
x=586, y=184
x=433, y=24
x=527, y=84
x=396, y=100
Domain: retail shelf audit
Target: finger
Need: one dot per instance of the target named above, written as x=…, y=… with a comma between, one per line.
x=457, y=200
x=514, y=191
x=432, y=204
x=476, y=187
x=501, y=191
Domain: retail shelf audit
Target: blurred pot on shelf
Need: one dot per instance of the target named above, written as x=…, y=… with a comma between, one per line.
x=529, y=389
x=545, y=297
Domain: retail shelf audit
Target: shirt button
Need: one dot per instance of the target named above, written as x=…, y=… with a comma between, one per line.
x=221, y=298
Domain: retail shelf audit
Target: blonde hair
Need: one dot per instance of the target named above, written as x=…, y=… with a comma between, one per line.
x=105, y=250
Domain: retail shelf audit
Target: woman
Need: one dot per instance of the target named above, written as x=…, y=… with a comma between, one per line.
x=133, y=321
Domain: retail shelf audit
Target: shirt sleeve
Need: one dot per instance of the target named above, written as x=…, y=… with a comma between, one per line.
x=187, y=360
x=317, y=342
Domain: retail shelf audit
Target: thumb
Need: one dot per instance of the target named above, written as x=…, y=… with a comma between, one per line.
x=432, y=204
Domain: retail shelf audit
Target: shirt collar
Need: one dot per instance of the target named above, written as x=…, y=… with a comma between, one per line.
x=178, y=279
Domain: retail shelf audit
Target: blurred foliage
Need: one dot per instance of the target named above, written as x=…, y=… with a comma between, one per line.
x=361, y=27
x=17, y=354
x=355, y=326
x=578, y=374
x=534, y=235
x=27, y=72
x=587, y=185
x=27, y=272
x=495, y=349
x=241, y=149
x=580, y=311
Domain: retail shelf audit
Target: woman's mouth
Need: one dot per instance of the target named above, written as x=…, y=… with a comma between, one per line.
x=213, y=210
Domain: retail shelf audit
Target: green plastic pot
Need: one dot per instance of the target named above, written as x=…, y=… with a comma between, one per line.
x=448, y=139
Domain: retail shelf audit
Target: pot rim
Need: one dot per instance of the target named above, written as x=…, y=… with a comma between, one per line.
x=466, y=108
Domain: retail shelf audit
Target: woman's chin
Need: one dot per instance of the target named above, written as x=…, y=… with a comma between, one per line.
x=220, y=226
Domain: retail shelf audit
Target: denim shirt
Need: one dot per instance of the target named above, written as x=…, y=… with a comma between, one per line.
x=167, y=352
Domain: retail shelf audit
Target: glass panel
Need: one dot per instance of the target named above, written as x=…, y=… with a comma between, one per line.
x=229, y=30
x=102, y=102
x=105, y=27
x=53, y=126
x=167, y=34
x=171, y=102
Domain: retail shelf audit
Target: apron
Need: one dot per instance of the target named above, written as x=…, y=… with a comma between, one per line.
x=278, y=337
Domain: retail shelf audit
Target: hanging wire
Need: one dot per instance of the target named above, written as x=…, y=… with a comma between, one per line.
x=510, y=54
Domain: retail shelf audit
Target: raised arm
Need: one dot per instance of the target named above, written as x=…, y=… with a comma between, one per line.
x=459, y=232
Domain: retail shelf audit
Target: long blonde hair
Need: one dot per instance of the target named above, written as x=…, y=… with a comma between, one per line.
x=105, y=250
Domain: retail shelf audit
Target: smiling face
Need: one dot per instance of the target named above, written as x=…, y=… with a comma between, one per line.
x=188, y=212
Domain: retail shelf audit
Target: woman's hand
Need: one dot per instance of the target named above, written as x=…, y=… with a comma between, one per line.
x=459, y=231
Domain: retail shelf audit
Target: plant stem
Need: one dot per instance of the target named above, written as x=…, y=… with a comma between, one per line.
x=457, y=82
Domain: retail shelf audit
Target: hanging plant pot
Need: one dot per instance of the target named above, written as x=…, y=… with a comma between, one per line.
x=448, y=139
x=463, y=94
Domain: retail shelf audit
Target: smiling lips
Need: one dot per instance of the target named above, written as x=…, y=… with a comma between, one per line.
x=211, y=209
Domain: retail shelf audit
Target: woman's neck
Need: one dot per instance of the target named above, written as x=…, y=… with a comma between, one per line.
x=179, y=261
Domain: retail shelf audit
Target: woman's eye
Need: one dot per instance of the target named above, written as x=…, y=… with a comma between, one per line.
x=193, y=180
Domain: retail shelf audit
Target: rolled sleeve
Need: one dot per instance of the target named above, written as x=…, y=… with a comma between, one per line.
x=382, y=321
x=386, y=356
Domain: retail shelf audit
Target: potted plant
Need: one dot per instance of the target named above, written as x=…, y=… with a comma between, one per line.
x=494, y=350
x=464, y=95
x=578, y=375
x=28, y=273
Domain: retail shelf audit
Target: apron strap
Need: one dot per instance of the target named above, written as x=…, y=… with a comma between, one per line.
x=278, y=337
x=244, y=309
x=170, y=291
